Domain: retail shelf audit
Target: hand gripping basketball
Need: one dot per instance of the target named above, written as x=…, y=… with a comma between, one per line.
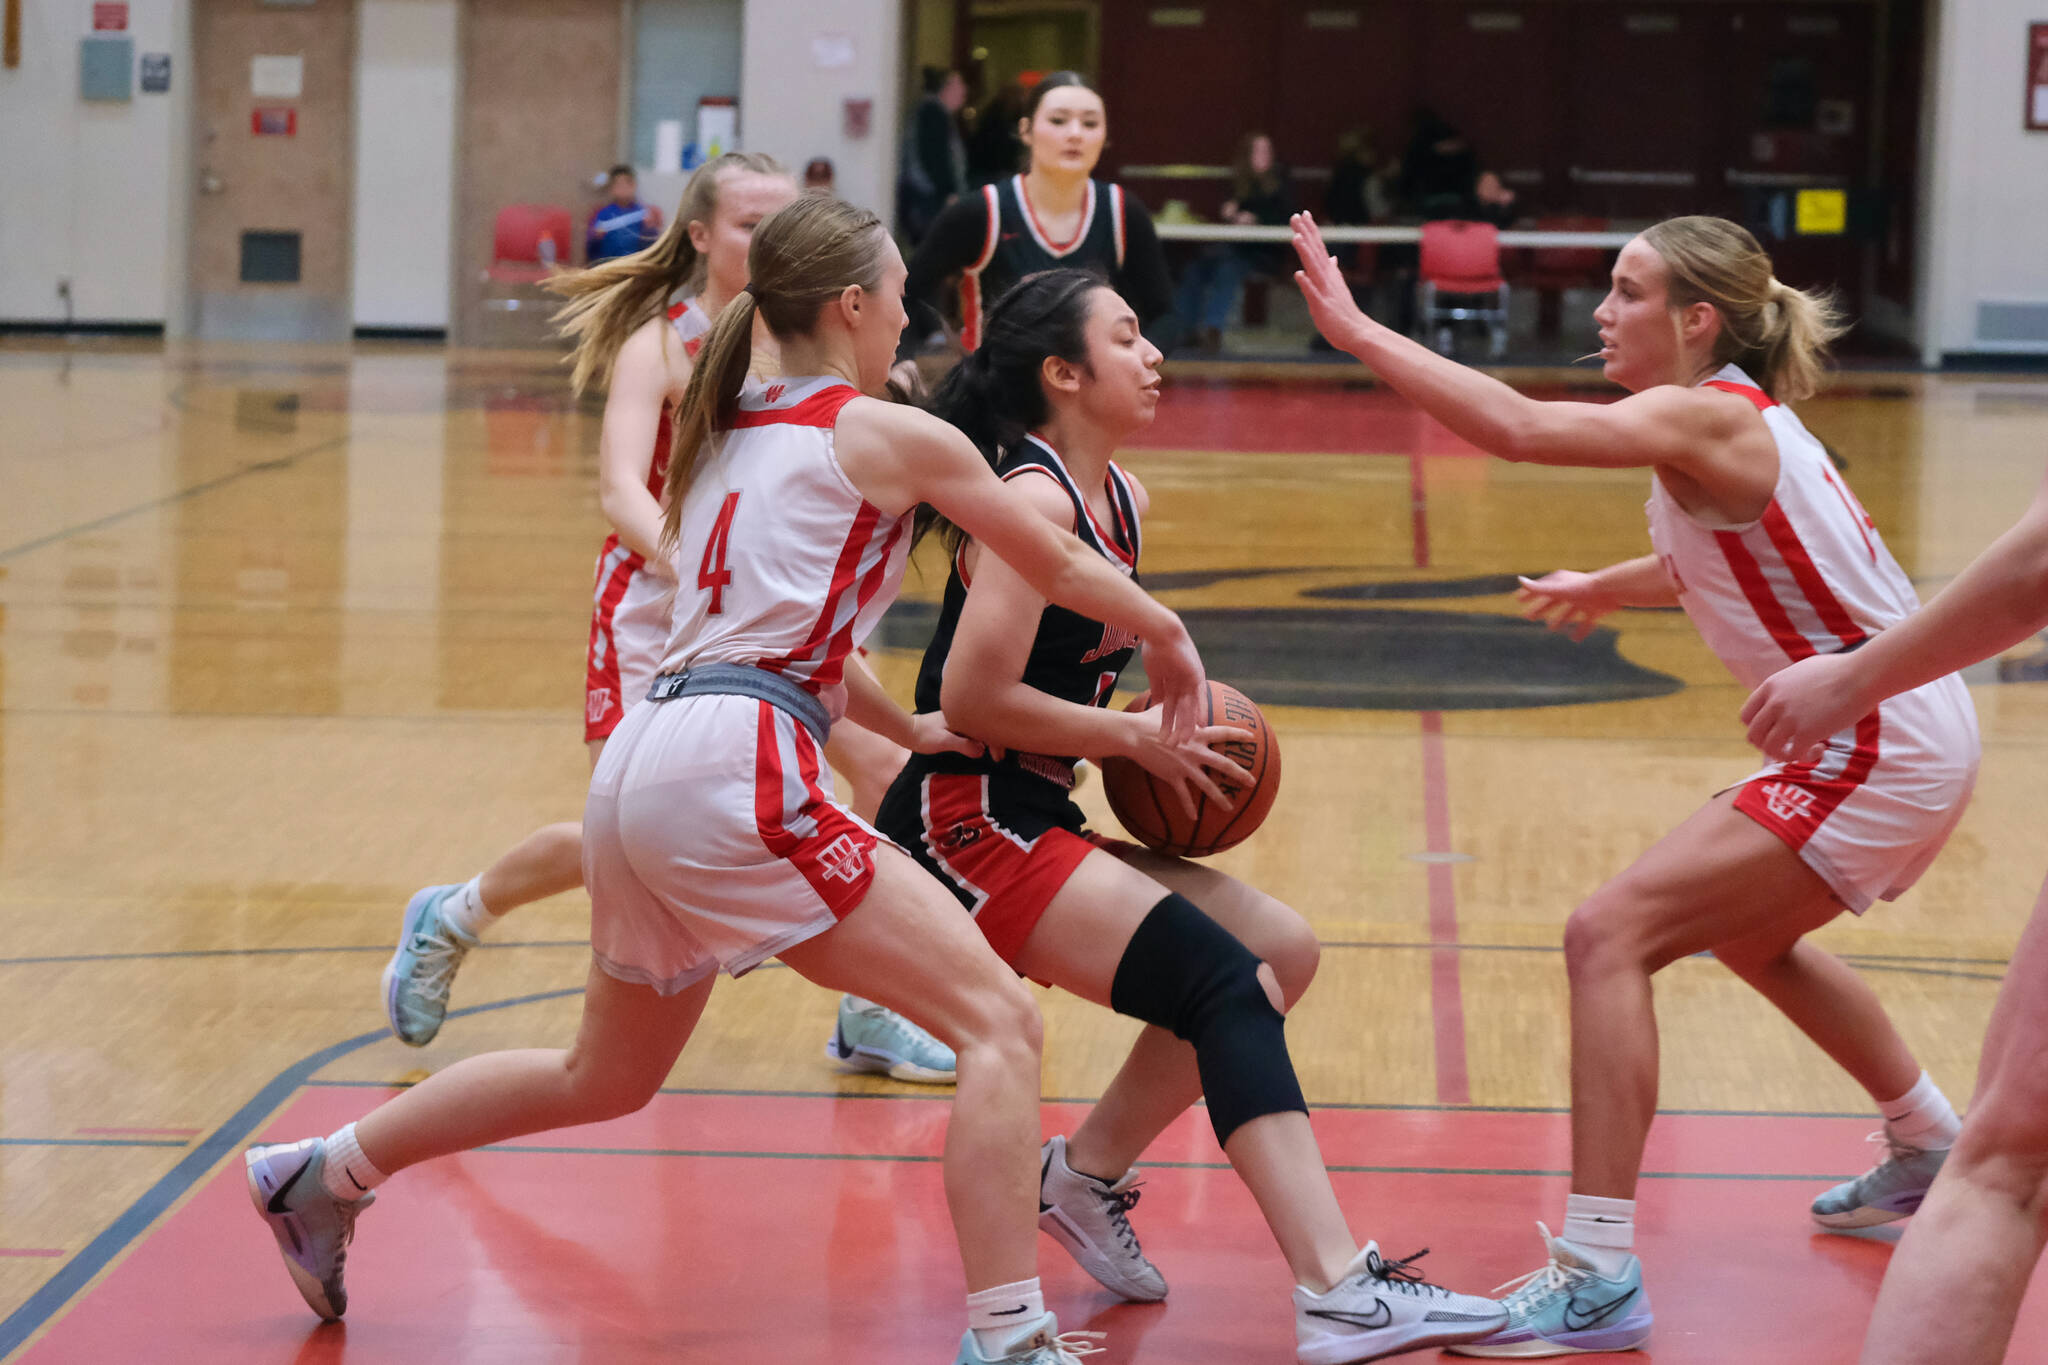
x=1232, y=759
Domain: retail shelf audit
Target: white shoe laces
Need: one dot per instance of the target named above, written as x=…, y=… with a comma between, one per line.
x=435, y=958
x=1524, y=1292
x=1073, y=1345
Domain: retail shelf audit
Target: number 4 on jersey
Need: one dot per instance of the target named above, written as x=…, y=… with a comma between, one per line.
x=712, y=575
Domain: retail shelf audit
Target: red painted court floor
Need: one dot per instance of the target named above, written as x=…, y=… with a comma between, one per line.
x=807, y=1230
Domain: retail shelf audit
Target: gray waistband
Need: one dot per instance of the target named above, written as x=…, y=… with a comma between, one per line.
x=743, y=680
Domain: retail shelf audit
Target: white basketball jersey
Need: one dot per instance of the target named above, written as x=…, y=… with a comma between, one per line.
x=781, y=563
x=1810, y=576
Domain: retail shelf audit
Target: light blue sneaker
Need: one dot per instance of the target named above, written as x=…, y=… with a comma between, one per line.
x=312, y=1227
x=421, y=971
x=1034, y=1343
x=1567, y=1308
x=870, y=1038
x=1887, y=1192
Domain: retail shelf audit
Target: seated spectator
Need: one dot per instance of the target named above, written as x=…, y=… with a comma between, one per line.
x=622, y=225
x=1361, y=188
x=1263, y=194
x=819, y=175
x=1494, y=202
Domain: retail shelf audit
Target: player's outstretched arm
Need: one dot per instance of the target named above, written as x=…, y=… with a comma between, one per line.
x=1686, y=428
x=2000, y=600
x=869, y=705
x=650, y=368
x=900, y=456
x=1575, y=602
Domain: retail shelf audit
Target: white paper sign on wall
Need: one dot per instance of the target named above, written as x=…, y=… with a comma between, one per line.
x=832, y=51
x=277, y=76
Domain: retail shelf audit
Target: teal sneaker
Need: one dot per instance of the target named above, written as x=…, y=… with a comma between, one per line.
x=1034, y=1343
x=312, y=1227
x=1566, y=1308
x=421, y=971
x=870, y=1038
x=1887, y=1192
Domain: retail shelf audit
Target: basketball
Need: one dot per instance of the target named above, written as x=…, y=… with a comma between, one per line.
x=1151, y=812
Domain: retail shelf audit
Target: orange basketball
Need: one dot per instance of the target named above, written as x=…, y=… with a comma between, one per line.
x=1151, y=812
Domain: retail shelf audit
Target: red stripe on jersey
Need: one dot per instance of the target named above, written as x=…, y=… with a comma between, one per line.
x=603, y=706
x=1755, y=395
x=1819, y=595
x=1116, y=208
x=1864, y=525
x=1044, y=238
x=837, y=857
x=834, y=666
x=1762, y=600
x=664, y=437
x=821, y=409
x=857, y=540
x=970, y=311
x=993, y=201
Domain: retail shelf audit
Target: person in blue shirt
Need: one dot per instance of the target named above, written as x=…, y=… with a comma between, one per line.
x=622, y=225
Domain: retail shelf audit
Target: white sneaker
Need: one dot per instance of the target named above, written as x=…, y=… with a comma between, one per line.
x=1382, y=1308
x=1034, y=1343
x=1089, y=1218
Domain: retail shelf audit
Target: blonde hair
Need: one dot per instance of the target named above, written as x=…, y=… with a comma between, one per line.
x=1776, y=333
x=802, y=256
x=609, y=301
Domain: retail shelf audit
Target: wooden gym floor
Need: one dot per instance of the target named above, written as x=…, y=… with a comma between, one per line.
x=285, y=635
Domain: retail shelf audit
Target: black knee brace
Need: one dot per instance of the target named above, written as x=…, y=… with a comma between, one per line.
x=1186, y=973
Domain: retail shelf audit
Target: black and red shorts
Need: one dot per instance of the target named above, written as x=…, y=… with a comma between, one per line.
x=1004, y=841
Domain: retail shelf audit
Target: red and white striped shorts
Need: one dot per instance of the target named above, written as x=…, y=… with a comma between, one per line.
x=1872, y=813
x=629, y=624
x=711, y=840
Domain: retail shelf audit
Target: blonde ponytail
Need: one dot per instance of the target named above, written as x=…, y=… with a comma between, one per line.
x=801, y=257
x=611, y=300
x=1778, y=334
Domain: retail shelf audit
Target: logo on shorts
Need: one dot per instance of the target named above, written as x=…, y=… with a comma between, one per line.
x=775, y=392
x=1787, y=802
x=596, y=702
x=844, y=860
x=953, y=838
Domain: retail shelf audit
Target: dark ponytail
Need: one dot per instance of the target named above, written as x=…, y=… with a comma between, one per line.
x=996, y=393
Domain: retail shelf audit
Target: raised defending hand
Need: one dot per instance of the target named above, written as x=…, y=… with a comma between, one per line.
x=1178, y=681
x=1336, y=313
x=1186, y=764
x=1792, y=713
x=1566, y=600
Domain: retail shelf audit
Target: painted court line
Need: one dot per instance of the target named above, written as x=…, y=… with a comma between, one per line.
x=32, y=1251
x=78, y=1272
x=138, y=1132
x=1446, y=995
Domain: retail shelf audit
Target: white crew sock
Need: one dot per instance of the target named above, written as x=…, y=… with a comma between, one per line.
x=996, y=1315
x=1601, y=1231
x=465, y=912
x=347, y=1173
x=1922, y=1117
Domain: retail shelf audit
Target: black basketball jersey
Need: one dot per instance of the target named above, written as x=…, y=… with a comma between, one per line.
x=1017, y=246
x=1072, y=657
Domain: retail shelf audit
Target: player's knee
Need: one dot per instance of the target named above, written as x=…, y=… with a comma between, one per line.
x=1003, y=1018
x=600, y=1091
x=1291, y=950
x=1187, y=974
x=564, y=845
x=2004, y=1145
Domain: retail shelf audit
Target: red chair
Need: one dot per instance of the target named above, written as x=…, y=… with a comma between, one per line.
x=528, y=243
x=518, y=251
x=1462, y=260
x=1554, y=269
